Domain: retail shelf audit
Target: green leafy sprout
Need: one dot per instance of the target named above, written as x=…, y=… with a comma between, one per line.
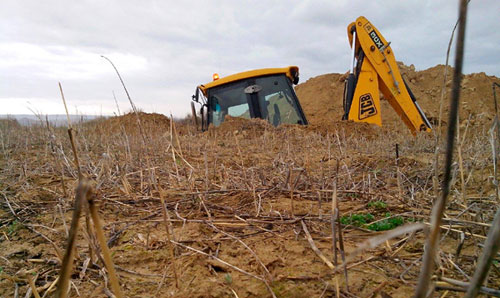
x=228, y=278
x=365, y=220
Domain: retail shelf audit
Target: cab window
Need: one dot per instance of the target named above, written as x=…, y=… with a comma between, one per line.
x=228, y=100
x=276, y=101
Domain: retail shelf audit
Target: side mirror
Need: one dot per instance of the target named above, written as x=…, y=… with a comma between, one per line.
x=295, y=74
x=196, y=95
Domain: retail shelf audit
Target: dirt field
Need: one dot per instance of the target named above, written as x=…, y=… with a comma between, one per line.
x=241, y=200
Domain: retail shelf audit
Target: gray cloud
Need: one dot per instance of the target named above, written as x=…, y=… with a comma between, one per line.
x=163, y=49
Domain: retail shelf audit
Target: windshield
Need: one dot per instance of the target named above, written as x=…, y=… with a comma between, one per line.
x=277, y=104
x=273, y=99
x=228, y=100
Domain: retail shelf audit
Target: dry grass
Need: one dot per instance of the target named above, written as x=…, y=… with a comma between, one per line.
x=227, y=196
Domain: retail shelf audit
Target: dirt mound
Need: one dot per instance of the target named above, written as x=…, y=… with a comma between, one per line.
x=129, y=123
x=255, y=127
x=321, y=96
x=146, y=119
x=332, y=126
x=236, y=125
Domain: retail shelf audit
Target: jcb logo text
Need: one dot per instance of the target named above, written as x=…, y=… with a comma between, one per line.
x=366, y=106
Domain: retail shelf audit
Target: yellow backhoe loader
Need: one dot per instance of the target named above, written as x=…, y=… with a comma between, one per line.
x=268, y=93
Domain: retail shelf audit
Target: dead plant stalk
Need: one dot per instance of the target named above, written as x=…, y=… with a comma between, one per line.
x=82, y=191
x=440, y=204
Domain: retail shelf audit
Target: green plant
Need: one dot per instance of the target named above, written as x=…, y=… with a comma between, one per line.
x=364, y=220
x=387, y=224
x=377, y=205
x=228, y=278
x=357, y=219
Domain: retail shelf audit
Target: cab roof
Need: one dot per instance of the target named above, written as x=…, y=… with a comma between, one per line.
x=288, y=71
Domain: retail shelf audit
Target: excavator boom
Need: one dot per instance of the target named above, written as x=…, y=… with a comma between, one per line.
x=376, y=70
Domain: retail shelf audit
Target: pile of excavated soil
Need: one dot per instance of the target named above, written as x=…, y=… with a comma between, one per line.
x=256, y=127
x=129, y=123
x=236, y=125
x=321, y=96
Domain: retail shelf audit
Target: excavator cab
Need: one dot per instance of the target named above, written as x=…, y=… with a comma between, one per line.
x=263, y=93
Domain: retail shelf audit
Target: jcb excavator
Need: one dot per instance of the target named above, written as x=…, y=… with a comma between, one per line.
x=374, y=68
x=268, y=93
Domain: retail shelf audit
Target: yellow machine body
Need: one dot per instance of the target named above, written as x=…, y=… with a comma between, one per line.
x=378, y=72
x=291, y=72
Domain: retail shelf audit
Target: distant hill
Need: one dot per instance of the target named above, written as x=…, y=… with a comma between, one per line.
x=56, y=120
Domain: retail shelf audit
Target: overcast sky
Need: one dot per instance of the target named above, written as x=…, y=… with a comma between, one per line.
x=163, y=49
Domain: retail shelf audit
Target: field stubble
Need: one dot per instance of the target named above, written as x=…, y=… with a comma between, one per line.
x=241, y=200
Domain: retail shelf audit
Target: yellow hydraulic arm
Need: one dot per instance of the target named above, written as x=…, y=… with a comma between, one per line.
x=376, y=69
